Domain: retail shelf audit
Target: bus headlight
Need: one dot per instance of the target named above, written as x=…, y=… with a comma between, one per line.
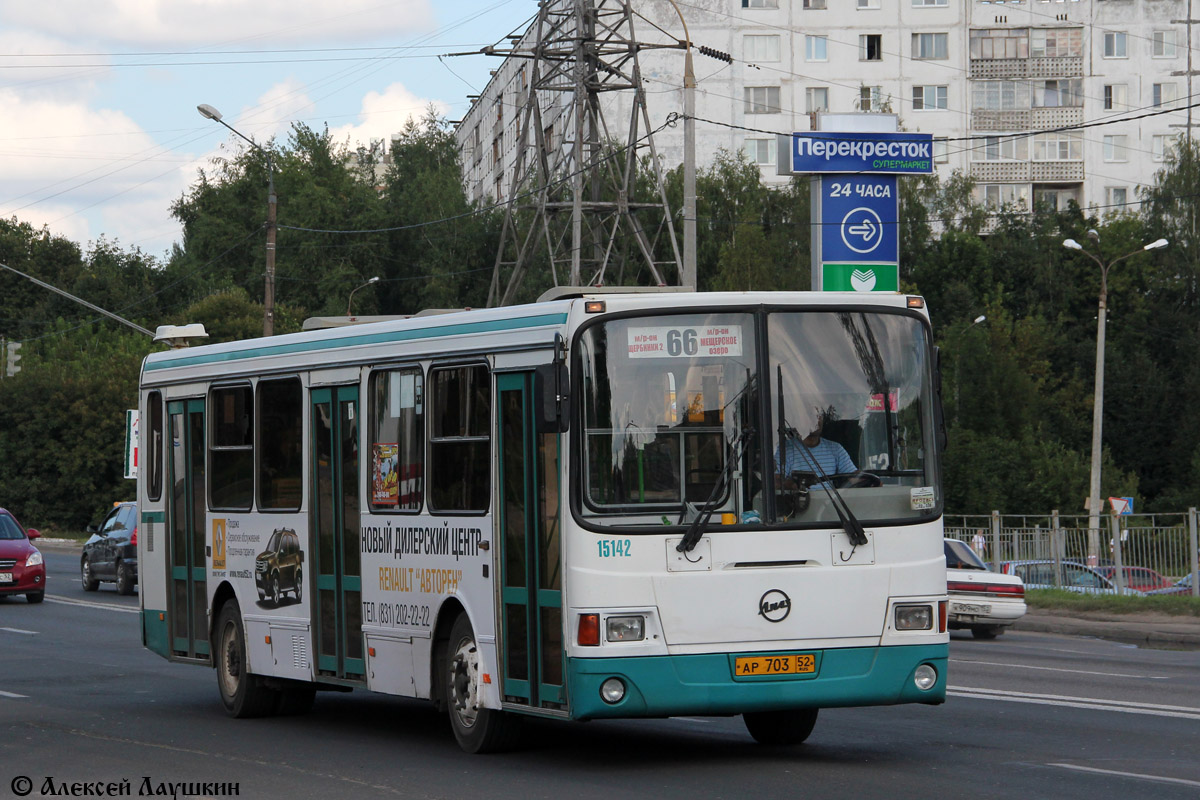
x=612, y=691
x=914, y=618
x=925, y=677
x=625, y=629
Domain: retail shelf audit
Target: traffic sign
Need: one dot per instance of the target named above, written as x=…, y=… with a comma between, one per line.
x=1121, y=506
x=858, y=219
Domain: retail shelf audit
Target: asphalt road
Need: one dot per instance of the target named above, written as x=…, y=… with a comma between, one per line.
x=1029, y=715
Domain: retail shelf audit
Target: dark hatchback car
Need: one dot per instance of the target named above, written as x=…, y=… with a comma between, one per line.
x=278, y=568
x=21, y=568
x=111, y=552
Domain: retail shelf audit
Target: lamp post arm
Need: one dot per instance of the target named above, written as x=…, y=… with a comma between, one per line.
x=81, y=301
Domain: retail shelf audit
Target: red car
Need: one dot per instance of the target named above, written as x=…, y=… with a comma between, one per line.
x=1143, y=579
x=21, y=567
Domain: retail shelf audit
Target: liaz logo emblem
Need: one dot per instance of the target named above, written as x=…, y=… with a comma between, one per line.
x=774, y=606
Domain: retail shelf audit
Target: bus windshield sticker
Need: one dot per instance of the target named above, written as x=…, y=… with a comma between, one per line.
x=385, y=475
x=921, y=498
x=697, y=341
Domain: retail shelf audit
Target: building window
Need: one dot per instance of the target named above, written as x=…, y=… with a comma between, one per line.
x=1055, y=42
x=816, y=98
x=1116, y=97
x=870, y=98
x=1000, y=43
x=761, y=151
x=1002, y=195
x=1059, y=146
x=929, y=3
x=1000, y=96
x=870, y=47
x=1117, y=196
x=760, y=49
x=1002, y=148
x=760, y=3
x=929, y=98
x=931, y=45
x=941, y=151
x=1060, y=93
x=867, y=4
x=1053, y=199
x=1159, y=145
x=397, y=440
x=1164, y=93
x=1164, y=44
x=814, y=5
x=460, y=439
x=815, y=48
x=761, y=99
x=1114, y=148
x=1114, y=44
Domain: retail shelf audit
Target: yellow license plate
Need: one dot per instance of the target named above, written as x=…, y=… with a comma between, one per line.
x=795, y=664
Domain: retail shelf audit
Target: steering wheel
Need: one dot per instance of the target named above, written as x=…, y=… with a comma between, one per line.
x=855, y=480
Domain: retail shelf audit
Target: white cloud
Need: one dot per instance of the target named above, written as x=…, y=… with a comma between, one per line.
x=384, y=113
x=265, y=22
x=60, y=159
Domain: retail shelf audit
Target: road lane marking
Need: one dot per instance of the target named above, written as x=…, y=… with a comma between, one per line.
x=1061, y=669
x=1139, y=776
x=19, y=630
x=67, y=601
x=13, y=695
x=1067, y=701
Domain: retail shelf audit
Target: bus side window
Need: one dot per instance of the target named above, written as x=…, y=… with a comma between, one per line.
x=460, y=439
x=231, y=448
x=280, y=431
x=154, y=446
x=397, y=440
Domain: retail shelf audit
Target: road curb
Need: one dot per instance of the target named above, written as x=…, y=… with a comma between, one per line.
x=1185, y=632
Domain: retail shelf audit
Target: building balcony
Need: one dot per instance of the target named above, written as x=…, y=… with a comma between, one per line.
x=1045, y=118
x=1056, y=171
x=1012, y=120
x=1005, y=68
x=1001, y=171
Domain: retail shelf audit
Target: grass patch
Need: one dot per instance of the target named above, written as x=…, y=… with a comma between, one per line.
x=1062, y=600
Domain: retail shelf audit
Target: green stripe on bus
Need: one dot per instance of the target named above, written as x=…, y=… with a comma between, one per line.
x=486, y=326
x=153, y=516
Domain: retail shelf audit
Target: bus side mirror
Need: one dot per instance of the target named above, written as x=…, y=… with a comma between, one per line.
x=552, y=396
x=939, y=413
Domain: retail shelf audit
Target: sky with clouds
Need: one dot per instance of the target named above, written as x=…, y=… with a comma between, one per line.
x=99, y=131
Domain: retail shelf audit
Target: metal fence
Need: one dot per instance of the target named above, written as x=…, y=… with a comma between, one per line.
x=1165, y=543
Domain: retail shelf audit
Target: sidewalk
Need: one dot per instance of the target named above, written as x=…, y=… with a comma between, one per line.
x=1150, y=629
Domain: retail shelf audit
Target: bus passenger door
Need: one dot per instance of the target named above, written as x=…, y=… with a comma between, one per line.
x=335, y=520
x=188, y=596
x=530, y=556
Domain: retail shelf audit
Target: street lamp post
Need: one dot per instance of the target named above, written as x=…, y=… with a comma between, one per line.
x=350, y=313
x=688, y=278
x=1098, y=400
x=208, y=112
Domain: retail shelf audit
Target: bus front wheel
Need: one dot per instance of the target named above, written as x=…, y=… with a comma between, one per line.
x=242, y=693
x=780, y=728
x=477, y=729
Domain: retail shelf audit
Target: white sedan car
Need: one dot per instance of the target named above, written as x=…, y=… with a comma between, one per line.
x=981, y=601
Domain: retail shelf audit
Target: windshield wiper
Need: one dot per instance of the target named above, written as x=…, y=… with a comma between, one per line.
x=850, y=524
x=696, y=530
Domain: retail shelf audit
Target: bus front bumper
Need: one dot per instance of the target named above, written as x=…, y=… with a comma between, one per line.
x=664, y=686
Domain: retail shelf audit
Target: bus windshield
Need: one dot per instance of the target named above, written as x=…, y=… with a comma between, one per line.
x=686, y=411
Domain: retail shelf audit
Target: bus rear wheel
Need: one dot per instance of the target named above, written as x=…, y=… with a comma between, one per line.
x=242, y=693
x=477, y=729
x=781, y=728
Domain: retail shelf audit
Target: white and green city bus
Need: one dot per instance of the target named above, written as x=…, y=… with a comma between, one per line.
x=602, y=505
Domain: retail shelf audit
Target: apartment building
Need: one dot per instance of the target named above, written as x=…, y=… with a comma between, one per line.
x=974, y=73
